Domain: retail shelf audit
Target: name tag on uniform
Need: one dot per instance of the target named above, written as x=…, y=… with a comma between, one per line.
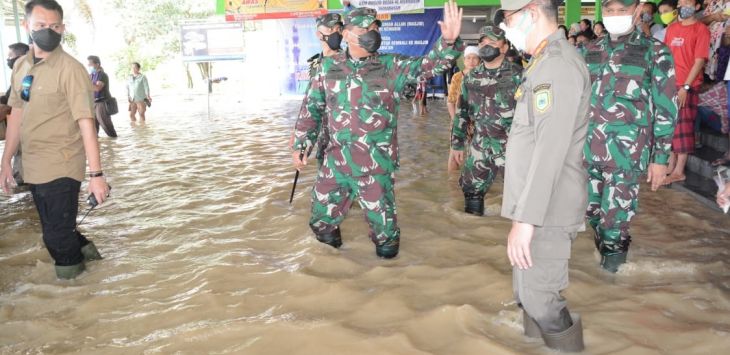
x=593, y=57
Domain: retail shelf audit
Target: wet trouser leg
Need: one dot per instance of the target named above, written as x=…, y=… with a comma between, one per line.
x=332, y=197
x=57, y=203
x=104, y=120
x=538, y=288
x=334, y=193
x=377, y=198
x=478, y=173
x=612, y=201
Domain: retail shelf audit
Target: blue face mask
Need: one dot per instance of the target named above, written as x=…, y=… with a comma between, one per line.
x=686, y=12
x=91, y=70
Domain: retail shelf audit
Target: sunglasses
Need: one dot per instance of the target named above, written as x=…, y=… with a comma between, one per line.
x=25, y=88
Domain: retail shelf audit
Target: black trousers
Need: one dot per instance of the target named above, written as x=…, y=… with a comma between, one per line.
x=57, y=203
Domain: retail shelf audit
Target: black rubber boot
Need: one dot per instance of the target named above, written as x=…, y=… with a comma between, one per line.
x=532, y=329
x=387, y=251
x=612, y=262
x=474, y=204
x=90, y=252
x=568, y=340
x=70, y=272
x=333, y=239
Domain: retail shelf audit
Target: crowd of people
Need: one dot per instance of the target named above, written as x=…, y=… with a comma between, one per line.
x=573, y=117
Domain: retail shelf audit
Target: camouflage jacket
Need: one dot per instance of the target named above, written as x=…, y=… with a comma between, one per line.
x=633, y=103
x=488, y=100
x=359, y=100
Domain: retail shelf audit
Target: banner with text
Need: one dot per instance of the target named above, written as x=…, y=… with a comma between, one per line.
x=239, y=10
x=206, y=42
x=411, y=34
x=390, y=6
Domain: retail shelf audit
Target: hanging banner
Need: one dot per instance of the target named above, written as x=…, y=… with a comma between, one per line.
x=240, y=10
x=299, y=43
x=206, y=42
x=390, y=6
x=412, y=34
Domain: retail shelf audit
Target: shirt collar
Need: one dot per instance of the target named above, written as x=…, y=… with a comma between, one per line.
x=52, y=58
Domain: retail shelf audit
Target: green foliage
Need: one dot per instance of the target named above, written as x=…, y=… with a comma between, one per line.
x=151, y=29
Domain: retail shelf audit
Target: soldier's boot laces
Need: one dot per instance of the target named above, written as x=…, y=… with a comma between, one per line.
x=69, y=272
x=474, y=204
x=570, y=339
x=90, y=252
x=333, y=239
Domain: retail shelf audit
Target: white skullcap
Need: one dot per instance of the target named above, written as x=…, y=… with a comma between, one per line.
x=471, y=50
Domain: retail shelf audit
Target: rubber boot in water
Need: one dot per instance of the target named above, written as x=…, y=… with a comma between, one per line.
x=389, y=249
x=532, y=329
x=568, y=340
x=90, y=252
x=474, y=204
x=611, y=263
x=333, y=239
x=70, y=272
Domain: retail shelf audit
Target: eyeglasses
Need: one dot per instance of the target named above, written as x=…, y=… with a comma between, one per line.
x=54, y=26
x=25, y=88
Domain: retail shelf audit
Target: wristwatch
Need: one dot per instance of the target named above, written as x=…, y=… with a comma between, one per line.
x=686, y=87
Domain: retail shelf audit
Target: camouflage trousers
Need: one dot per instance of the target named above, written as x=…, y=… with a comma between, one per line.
x=479, y=171
x=613, y=197
x=334, y=193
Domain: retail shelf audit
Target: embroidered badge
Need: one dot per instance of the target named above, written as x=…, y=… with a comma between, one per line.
x=543, y=98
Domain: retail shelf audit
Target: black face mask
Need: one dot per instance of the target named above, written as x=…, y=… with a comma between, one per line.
x=333, y=41
x=46, y=39
x=488, y=53
x=11, y=62
x=370, y=41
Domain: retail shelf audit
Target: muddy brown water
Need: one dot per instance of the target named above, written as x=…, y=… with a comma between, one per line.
x=203, y=254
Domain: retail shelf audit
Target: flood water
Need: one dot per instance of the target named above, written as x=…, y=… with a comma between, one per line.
x=204, y=254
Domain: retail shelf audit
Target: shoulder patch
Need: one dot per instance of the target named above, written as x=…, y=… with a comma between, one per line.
x=543, y=97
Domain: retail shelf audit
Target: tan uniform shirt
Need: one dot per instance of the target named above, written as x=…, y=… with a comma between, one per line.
x=50, y=136
x=545, y=181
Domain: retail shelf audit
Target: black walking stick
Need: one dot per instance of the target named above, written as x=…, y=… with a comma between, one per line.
x=296, y=175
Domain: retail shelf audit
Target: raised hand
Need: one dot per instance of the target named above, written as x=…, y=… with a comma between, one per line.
x=451, y=25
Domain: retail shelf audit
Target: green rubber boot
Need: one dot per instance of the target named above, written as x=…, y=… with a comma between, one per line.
x=611, y=263
x=90, y=252
x=69, y=272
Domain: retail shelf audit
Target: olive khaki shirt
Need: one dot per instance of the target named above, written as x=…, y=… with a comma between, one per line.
x=545, y=181
x=50, y=137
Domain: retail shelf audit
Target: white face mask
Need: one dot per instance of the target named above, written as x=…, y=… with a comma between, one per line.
x=516, y=35
x=618, y=25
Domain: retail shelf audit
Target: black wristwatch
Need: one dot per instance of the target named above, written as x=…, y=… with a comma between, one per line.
x=686, y=87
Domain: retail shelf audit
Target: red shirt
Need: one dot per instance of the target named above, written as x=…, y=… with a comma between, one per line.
x=688, y=43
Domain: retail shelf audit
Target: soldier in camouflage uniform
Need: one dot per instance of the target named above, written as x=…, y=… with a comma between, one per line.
x=357, y=93
x=329, y=33
x=632, y=117
x=487, y=101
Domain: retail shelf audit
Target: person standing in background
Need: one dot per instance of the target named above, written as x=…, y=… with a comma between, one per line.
x=471, y=61
x=715, y=18
x=138, y=93
x=689, y=41
x=100, y=83
x=668, y=15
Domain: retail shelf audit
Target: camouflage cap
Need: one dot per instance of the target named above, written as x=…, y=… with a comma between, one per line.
x=329, y=20
x=493, y=32
x=514, y=5
x=624, y=2
x=362, y=17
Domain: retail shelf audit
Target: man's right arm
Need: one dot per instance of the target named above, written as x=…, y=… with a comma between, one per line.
x=461, y=120
x=308, y=124
x=12, y=140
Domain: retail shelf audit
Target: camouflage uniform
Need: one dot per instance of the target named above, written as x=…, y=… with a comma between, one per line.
x=359, y=101
x=632, y=117
x=487, y=101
